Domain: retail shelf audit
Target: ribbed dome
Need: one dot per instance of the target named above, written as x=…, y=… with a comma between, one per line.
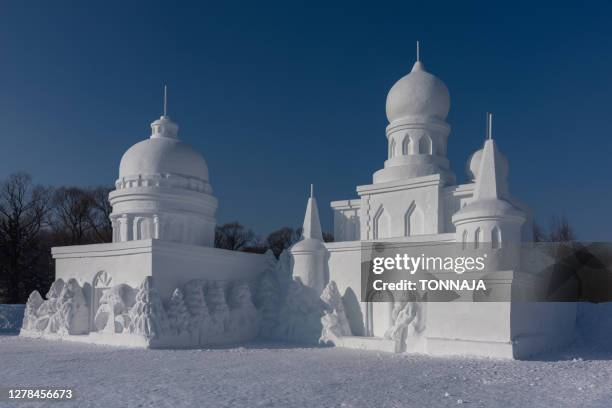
x=418, y=95
x=163, y=153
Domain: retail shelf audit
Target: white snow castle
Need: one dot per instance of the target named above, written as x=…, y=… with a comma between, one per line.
x=160, y=283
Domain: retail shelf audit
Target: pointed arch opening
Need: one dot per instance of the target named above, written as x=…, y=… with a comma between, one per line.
x=496, y=238
x=425, y=145
x=477, y=238
x=406, y=145
x=414, y=223
x=392, y=148
x=382, y=224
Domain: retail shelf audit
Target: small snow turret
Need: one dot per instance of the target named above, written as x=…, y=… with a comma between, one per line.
x=309, y=253
x=489, y=218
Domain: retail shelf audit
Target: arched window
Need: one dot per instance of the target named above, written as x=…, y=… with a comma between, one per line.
x=392, y=148
x=495, y=238
x=425, y=145
x=477, y=238
x=137, y=233
x=406, y=145
x=464, y=239
x=382, y=224
x=413, y=221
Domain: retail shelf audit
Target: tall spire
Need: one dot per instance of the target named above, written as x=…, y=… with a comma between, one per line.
x=164, y=127
x=165, y=100
x=418, y=65
x=312, y=225
x=490, y=183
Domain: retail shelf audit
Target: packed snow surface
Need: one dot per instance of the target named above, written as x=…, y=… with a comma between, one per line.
x=267, y=375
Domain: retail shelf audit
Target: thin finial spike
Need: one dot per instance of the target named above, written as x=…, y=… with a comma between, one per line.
x=165, y=100
x=418, y=50
x=489, y=125
x=311, y=190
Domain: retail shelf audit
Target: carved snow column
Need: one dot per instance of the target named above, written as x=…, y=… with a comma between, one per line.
x=309, y=254
x=490, y=223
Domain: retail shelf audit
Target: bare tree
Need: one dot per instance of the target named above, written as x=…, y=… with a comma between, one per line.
x=233, y=236
x=100, y=214
x=72, y=208
x=539, y=235
x=282, y=239
x=561, y=230
x=23, y=211
x=81, y=216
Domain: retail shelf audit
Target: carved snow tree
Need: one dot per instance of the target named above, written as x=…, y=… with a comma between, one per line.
x=283, y=271
x=199, y=317
x=217, y=307
x=335, y=323
x=244, y=318
x=30, y=315
x=148, y=316
x=73, y=312
x=267, y=300
x=46, y=312
x=300, y=315
x=178, y=315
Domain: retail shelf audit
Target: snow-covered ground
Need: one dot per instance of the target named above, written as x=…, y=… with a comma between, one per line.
x=265, y=375
x=268, y=376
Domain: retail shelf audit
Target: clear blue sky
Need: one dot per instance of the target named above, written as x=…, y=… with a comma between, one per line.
x=273, y=94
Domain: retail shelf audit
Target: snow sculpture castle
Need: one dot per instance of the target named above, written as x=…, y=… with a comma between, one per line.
x=161, y=284
x=414, y=201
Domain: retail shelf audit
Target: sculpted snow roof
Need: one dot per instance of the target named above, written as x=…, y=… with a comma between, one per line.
x=163, y=153
x=312, y=237
x=491, y=189
x=419, y=96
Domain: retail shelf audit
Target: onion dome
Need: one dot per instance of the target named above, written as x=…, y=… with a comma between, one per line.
x=418, y=95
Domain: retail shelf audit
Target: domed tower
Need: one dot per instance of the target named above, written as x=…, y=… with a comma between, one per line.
x=163, y=191
x=490, y=221
x=417, y=134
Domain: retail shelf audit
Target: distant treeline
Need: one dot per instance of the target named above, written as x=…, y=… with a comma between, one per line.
x=35, y=218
